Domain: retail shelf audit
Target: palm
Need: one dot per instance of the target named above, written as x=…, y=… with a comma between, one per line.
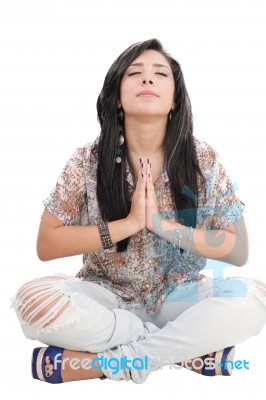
x=153, y=218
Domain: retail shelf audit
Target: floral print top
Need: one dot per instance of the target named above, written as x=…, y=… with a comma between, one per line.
x=150, y=268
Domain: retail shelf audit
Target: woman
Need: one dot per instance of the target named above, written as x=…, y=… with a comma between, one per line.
x=143, y=203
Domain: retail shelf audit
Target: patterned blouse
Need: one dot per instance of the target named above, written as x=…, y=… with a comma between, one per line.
x=151, y=267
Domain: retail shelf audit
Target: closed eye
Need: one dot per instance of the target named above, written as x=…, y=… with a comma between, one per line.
x=133, y=73
x=158, y=73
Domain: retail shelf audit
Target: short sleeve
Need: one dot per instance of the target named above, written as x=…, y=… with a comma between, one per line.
x=228, y=207
x=68, y=197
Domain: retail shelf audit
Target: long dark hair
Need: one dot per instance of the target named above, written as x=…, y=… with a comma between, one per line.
x=179, y=148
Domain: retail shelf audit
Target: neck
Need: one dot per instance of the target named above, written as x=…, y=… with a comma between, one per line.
x=145, y=139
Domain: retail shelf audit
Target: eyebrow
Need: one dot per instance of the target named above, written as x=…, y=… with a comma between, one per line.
x=155, y=65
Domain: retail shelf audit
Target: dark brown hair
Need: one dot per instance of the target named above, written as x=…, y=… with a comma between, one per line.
x=179, y=147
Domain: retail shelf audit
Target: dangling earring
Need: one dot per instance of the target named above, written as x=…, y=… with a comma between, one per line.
x=120, y=115
x=121, y=138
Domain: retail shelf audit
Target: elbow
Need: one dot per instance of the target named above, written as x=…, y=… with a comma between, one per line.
x=243, y=254
x=241, y=262
x=240, y=252
x=238, y=257
x=42, y=255
x=46, y=244
x=241, y=259
x=43, y=252
x=242, y=247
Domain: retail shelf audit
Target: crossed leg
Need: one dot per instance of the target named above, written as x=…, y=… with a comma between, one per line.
x=43, y=304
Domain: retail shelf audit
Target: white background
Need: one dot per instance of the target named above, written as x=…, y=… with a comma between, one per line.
x=54, y=57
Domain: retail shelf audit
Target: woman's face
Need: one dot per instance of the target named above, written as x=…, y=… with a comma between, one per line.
x=147, y=87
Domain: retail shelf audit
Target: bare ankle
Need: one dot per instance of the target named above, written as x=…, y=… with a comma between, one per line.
x=76, y=365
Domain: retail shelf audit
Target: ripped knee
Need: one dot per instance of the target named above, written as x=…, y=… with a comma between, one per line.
x=41, y=301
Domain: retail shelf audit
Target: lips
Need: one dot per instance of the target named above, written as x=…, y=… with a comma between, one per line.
x=147, y=93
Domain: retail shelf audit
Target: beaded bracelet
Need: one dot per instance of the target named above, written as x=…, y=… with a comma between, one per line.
x=189, y=239
x=105, y=235
x=178, y=236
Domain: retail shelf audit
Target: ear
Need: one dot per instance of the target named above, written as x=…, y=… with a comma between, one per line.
x=118, y=104
x=173, y=106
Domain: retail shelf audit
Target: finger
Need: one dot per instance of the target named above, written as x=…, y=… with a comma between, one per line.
x=142, y=167
x=141, y=182
x=140, y=171
x=148, y=170
x=150, y=186
x=145, y=166
x=145, y=172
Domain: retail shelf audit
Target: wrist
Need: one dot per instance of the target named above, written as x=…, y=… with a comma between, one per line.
x=156, y=225
x=132, y=226
x=174, y=232
x=161, y=228
x=104, y=235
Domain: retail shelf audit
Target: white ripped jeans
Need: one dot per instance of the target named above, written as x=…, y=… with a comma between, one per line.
x=195, y=319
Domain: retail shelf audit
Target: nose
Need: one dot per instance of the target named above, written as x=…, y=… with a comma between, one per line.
x=144, y=81
x=147, y=77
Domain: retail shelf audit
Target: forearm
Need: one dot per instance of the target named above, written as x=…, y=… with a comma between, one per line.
x=66, y=241
x=220, y=245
